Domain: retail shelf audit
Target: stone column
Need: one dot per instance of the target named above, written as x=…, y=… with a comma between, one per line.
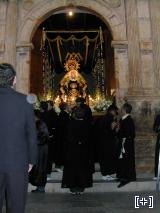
x=3, y=6
x=145, y=46
x=135, y=78
x=1, y=51
x=10, y=32
x=121, y=69
x=155, y=25
x=23, y=68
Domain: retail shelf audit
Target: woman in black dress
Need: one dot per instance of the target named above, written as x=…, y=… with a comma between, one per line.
x=78, y=167
x=107, y=142
x=61, y=136
x=38, y=174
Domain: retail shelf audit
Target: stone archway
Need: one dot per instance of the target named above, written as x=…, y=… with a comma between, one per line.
x=40, y=11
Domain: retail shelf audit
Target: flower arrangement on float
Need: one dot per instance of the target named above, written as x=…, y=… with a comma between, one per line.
x=99, y=103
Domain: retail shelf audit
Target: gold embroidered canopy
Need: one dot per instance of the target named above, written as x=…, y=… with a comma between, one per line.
x=59, y=43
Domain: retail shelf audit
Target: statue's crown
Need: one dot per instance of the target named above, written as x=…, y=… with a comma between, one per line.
x=72, y=59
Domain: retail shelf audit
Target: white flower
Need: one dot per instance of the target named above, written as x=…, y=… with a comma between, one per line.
x=101, y=105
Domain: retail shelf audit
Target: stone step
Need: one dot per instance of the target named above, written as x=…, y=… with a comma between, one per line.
x=144, y=183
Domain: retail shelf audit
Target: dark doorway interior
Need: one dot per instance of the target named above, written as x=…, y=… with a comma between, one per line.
x=79, y=21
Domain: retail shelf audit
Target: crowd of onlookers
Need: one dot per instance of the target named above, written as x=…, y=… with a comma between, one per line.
x=74, y=140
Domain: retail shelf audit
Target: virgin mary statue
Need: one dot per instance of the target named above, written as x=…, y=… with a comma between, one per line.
x=73, y=85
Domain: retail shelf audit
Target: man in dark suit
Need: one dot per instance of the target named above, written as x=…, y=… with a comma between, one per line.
x=126, y=171
x=18, y=145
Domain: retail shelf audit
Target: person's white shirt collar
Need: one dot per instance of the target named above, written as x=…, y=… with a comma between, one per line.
x=125, y=116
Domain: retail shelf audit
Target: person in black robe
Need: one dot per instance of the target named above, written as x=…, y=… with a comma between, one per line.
x=38, y=174
x=77, y=173
x=61, y=136
x=52, y=117
x=43, y=110
x=107, y=142
x=126, y=133
x=51, y=122
x=80, y=102
x=49, y=116
x=156, y=129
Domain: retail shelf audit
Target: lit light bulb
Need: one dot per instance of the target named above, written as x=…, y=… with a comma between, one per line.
x=73, y=99
x=65, y=98
x=70, y=13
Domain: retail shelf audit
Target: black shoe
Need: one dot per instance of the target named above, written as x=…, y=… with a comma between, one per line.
x=123, y=183
x=38, y=191
x=73, y=191
x=80, y=191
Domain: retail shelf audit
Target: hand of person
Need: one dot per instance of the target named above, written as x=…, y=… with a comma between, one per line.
x=113, y=125
x=117, y=127
x=30, y=167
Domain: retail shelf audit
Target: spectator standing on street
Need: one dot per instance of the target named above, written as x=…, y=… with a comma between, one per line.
x=18, y=142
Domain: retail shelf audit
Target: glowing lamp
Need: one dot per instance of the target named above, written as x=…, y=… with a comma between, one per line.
x=70, y=13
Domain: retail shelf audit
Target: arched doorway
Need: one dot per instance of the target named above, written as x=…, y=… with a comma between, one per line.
x=83, y=23
x=41, y=11
x=114, y=15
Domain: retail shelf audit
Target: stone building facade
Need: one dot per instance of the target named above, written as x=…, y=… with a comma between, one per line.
x=135, y=29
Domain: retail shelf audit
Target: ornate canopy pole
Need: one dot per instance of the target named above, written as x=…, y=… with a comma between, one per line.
x=99, y=69
x=48, y=73
x=102, y=65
